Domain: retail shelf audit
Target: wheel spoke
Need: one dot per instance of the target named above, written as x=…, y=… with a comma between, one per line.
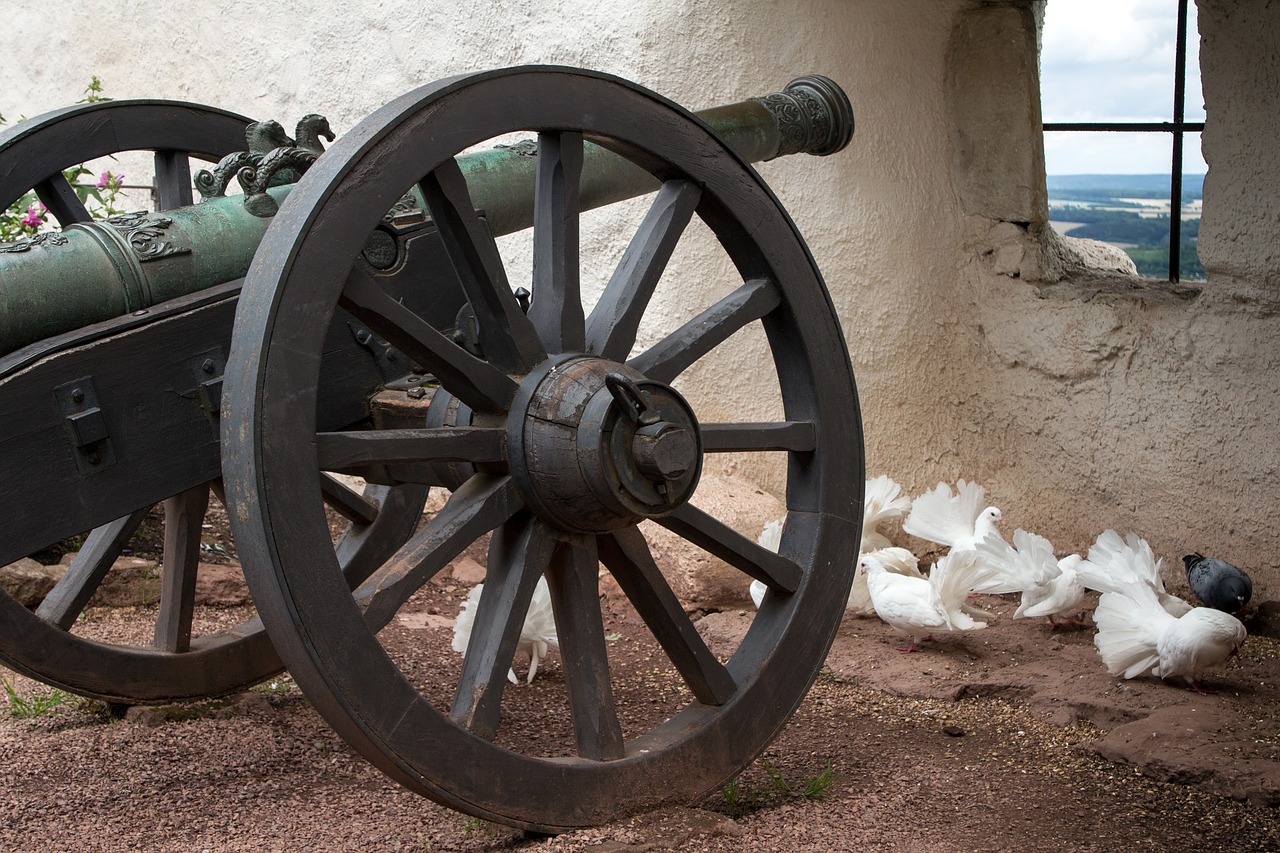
x=74, y=589
x=183, y=516
x=556, y=309
x=173, y=179
x=56, y=193
x=363, y=548
x=671, y=356
x=796, y=436
x=519, y=552
x=574, y=582
x=715, y=537
x=474, y=381
x=482, y=503
x=627, y=555
x=612, y=327
x=508, y=338
x=339, y=451
x=347, y=502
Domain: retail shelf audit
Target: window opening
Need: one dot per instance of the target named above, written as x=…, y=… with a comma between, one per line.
x=1178, y=129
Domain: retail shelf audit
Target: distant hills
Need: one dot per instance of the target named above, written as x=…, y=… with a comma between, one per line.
x=1131, y=212
x=1142, y=186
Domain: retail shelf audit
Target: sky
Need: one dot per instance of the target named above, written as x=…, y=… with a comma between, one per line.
x=1113, y=60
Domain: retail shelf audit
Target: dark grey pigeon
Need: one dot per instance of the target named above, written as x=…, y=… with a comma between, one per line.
x=1217, y=583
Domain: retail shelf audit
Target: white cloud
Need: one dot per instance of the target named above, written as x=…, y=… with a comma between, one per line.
x=1118, y=153
x=1113, y=60
x=1107, y=31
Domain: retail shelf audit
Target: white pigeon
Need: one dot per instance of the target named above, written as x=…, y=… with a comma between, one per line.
x=882, y=501
x=918, y=606
x=1114, y=562
x=898, y=560
x=537, y=635
x=770, y=537
x=1136, y=636
x=959, y=520
x=1049, y=586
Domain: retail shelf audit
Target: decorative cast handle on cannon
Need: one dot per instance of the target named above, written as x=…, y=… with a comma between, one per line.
x=58, y=282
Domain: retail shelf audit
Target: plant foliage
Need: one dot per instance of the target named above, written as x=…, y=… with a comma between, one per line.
x=27, y=217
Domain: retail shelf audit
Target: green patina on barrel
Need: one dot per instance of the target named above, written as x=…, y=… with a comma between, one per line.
x=58, y=282
x=98, y=270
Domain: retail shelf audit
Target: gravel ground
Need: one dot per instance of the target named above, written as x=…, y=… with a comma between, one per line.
x=992, y=741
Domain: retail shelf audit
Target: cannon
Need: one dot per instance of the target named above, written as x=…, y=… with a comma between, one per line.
x=375, y=333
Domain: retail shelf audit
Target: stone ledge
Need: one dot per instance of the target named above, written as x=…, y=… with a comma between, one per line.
x=1090, y=287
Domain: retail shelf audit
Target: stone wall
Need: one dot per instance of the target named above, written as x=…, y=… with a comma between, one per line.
x=983, y=347
x=1095, y=400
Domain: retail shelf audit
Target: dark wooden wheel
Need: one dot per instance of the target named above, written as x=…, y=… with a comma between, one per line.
x=179, y=663
x=572, y=442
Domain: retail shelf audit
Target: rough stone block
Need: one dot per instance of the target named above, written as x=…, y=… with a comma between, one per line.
x=28, y=581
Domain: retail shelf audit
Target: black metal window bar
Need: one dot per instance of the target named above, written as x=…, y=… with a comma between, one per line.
x=1178, y=127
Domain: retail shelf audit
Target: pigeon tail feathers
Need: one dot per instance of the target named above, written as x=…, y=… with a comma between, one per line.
x=882, y=501
x=1024, y=565
x=1114, y=562
x=951, y=581
x=771, y=535
x=1130, y=623
x=945, y=517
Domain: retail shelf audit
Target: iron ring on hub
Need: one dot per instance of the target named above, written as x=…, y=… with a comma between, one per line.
x=595, y=446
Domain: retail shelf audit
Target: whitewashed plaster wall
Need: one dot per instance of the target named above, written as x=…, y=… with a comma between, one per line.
x=1078, y=410
x=880, y=217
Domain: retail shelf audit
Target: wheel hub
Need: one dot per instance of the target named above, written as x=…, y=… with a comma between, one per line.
x=596, y=446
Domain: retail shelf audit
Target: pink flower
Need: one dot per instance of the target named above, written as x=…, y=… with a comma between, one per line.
x=109, y=181
x=34, y=218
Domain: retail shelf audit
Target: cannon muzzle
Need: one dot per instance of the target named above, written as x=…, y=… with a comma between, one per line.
x=93, y=271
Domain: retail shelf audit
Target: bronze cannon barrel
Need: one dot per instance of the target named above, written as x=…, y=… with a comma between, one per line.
x=90, y=272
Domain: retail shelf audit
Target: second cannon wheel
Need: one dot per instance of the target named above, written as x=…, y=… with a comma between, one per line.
x=182, y=660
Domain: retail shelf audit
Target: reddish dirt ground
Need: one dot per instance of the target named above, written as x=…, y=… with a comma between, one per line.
x=1011, y=737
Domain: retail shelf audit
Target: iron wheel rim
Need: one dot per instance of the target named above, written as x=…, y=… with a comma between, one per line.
x=301, y=274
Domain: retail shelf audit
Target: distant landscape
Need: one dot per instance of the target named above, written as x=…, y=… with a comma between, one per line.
x=1132, y=212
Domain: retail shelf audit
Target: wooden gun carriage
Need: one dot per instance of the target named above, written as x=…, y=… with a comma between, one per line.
x=369, y=328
